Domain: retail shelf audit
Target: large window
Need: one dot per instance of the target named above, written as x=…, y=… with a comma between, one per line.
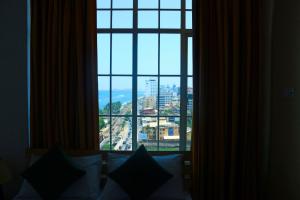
x=145, y=74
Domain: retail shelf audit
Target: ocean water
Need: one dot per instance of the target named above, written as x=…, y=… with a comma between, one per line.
x=124, y=96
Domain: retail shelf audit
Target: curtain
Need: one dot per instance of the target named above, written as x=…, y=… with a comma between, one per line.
x=226, y=143
x=63, y=100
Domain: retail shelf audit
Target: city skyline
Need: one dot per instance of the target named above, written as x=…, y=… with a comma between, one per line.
x=151, y=60
x=104, y=85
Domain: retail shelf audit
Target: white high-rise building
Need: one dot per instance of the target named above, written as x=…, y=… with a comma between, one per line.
x=151, y=88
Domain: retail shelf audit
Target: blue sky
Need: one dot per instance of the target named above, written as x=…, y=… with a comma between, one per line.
x=147, y=43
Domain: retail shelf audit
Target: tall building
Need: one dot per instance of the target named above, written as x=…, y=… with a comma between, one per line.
x=151, y=88
x=151, y=92
x=165, y=98
x=190, y=98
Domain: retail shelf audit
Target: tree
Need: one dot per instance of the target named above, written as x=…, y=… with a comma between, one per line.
x=101, y=123
x=115, y=108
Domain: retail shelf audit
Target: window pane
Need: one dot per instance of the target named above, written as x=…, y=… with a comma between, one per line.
x=189, y=133
x=169, y=133
x=122, y=4
x=188, y=4
x=103, y=3
x=147, y=132
x=122, y=133
x=169, y=96
x=121, y=95
x=103, y=19
x=170, y=19
x=148, y=4
x=170, y=4
x=148, y=54
x=122, y=53
x=189, y=20
x=190, y=97
x=147, y=95
x=122, y=19
x=148, y=19
x=170, y=54
x=103, y=53
x=104, y=134
x=190, y=56
x=104, y=95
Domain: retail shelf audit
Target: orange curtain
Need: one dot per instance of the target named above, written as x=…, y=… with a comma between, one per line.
x=225, y=144
x=64, y=105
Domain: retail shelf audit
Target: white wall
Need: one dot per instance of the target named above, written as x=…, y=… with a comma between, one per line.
x=285, y=140
x=13, y=87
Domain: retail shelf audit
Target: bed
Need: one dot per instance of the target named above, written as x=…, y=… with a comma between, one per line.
x=97, y=185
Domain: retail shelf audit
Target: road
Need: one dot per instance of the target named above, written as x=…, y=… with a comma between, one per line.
x=121, y=131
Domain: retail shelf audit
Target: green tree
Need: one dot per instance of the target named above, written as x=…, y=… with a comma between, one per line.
x=115, y=107
x=101, y=123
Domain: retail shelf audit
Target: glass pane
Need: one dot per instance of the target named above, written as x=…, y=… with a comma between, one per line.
x=148, y=19
x=104, y=134
x=190, y=56
x=103, y=3
x=169, y=96
x=104, y=95
x=122, y=19
x=148, y=54
x=122, y=53
x=189, y=20
x=190, y=97
x=169, y=133
x=170, y=4
x=147, y=95
x=189, y=133
x=122, y=133
x=188, y=4
x=148, y=4
x=103, y=53
x=170, y=54
x=122, y=4
x=170, y=19
x=121, y=95
x=147, y=132
x=103, y=19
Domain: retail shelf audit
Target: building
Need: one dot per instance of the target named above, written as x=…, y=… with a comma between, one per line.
x=165, y=98
x=151, y=89
x=190, y=99
x=148, y=111
x=149, y=102
x=167, y=130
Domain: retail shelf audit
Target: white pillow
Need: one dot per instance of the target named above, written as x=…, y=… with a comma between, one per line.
x=87, y=187
x=173, y=189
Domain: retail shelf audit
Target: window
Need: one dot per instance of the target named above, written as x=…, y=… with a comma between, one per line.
x=145, y=74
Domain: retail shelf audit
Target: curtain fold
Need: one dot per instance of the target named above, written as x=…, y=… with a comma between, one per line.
x=226, y=151
x=64, y=94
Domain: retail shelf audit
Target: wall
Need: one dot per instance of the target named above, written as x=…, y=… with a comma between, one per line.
x=13, y=87
x=285, y=140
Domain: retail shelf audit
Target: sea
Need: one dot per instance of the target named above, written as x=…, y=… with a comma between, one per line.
x=123, y=96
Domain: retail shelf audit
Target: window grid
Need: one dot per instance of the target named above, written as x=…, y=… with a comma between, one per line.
x=142, y=9
x=184, y=33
